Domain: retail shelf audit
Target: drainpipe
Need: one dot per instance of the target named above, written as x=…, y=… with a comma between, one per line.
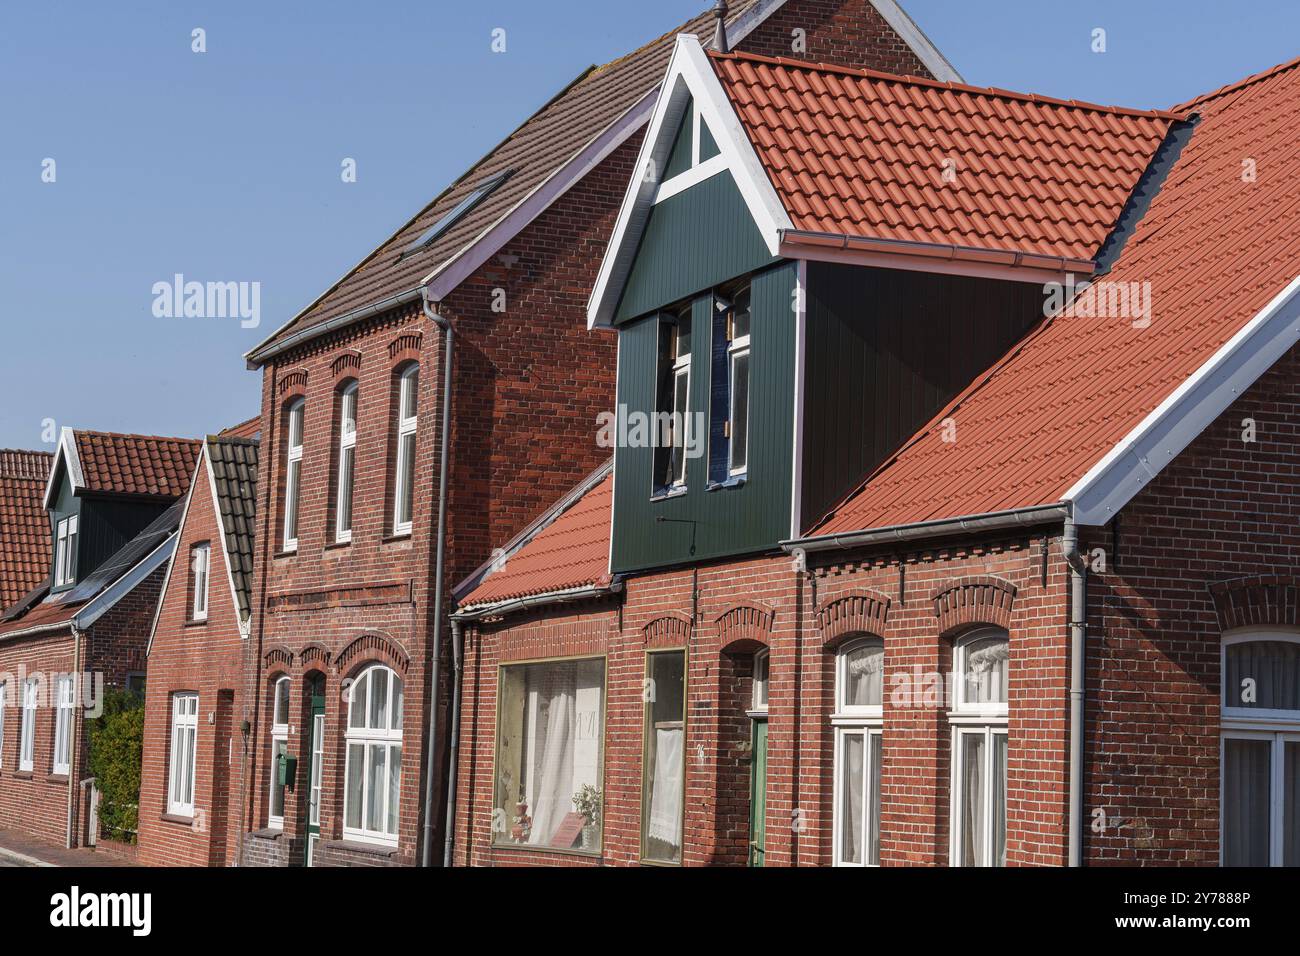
x=74, y=752
x=448, y=348
x=1078, y=618
x=450, y=837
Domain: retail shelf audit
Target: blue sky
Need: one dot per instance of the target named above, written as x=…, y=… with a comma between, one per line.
x=225, y=165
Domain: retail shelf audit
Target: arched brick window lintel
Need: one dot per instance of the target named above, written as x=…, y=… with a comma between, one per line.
x=670, y=630
x=853, y=612
x=405, y=348
x=292, y=385
x=347, y=365
x=1261, y=600
x=277, y=659
x=750, y=623
x=972, y=601
x=369, y=648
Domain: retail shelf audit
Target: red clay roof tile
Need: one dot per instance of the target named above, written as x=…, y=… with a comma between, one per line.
x=136, y=464
x=24, y=527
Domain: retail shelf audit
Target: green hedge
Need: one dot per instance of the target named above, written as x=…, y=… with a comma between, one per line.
x=116, y=742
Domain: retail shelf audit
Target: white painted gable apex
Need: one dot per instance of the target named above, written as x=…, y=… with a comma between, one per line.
x=67, y=453
x=690, y=78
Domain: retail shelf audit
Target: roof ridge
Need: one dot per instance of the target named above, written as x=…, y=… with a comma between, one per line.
x=992, y=91
x=232, y=440
x=1240, y=84
x=91, y=431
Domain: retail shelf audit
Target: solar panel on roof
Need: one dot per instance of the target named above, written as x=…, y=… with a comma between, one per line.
x=439, y=228
x=128, y=556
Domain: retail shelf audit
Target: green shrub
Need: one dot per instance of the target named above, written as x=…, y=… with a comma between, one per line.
x=116, y=741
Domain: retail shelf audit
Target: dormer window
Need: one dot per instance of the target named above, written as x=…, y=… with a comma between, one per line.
x=65, y=552
x=674, y=393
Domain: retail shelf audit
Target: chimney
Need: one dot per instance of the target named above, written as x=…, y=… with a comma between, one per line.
x=720, y=32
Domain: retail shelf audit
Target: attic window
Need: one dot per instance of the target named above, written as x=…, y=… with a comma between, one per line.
x=65, y=552
x=462, y=208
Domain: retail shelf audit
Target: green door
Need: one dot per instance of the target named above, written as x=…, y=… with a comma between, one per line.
x=758, y=795
x=314, y=773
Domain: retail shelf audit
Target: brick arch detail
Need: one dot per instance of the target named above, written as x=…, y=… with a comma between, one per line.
x=346, y=366
x=373, y=647
x=853, y=612
x=278, y=655
x=671, y=630
x=314, y=654
x=1260, y=600
x=745, y=622
x=406, y=347
x=977, y=599
x=293, y=384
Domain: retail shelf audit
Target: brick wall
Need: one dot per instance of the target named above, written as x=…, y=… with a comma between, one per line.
x=843, y=32
x=203, y=658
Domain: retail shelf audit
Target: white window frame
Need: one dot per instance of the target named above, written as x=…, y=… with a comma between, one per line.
x=737, y=348
x=761, y=690
x=27, y=729
x=65, y=703
x=854, y=720
x=65, y=559
x=368, y=737
x=974, y=719
x=349, y=400
x=408, y=384
x=295, y=441
x=201, y=568
x=279, y=735
x=182, y=775
x=1279, y=727
x=4, y=702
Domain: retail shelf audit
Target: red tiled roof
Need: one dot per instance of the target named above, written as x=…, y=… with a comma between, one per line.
x=571, y=552
x=46, y=614
x=1216, y=249
x=136, y=464
x=862, y=153
x=24, y=527
x=249, y=429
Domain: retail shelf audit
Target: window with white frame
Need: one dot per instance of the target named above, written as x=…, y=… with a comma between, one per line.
x=737, y=429
x=762, y=678
x=293, y=473
x=550, y=729
x=1260, y=749
x=373, y=771
x=346, y=477
x=858, y=723
x=65, y=551
x=64, y=714
x=979, y=749
x=184, y=747
x=279, y=750
x=408, y=406
x=200, y=570
x=4, y=702
x=673, y=400
x=27, y=729
x=663, y=784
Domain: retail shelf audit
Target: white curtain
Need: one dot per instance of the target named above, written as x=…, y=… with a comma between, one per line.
x=986, y=671
x=666, y=798
x=973, y=811
x=851, y=788
x=865, y=671
x=552, y=785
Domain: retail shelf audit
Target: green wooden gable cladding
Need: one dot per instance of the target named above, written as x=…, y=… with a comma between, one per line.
x=679, y=157
x=707, y=521
x=692, y=241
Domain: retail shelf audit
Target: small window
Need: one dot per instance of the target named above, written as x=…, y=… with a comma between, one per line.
x=549, y=755
x=4, y=702
x=181, y=760
x=672, y=433
x=408, y=399
x=293, y=474
x=64, y=714
x=373, y=771
x=201, y=566
x=979, y=750
x=347, y=463
x=27, y=730
x=279, y=750
x=738, y=364
x=762, y=674
x=859, y=746
x=458, y=212
x=65, y=552
x=663, y=785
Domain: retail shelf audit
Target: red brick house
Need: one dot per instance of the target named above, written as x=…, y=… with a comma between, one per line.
x=110, y=521
x=961, y=563
x=445, y=347
x=196, y=753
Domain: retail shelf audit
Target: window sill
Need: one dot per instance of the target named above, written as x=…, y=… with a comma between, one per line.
x=22, y=775
x=548, y=850
x=671, y=493
x=338, y=545
x=735, y=481
x=177, y=818
x=200, y=622
x=269, y=833
x=285, y=554
x=56, y=778
x=357, y=846
x=403, y=538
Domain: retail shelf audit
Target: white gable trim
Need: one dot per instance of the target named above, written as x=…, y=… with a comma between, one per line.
x=1132, y=464
x=67, y=452
x=180, y=530
x=690, y=77
x=244, y=627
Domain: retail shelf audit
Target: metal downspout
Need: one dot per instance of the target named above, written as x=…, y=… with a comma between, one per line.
x=449, y=348
x=74, y=751
x=1078, y=612
x=450, y=837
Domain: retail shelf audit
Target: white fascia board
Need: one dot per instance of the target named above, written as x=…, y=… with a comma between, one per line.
x=937, y=264
x=915, y=38
x=1114, y=481
x=244, y=625
x=124, y=585
x=690, y=77
x=67, y=452
x=180, y=530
